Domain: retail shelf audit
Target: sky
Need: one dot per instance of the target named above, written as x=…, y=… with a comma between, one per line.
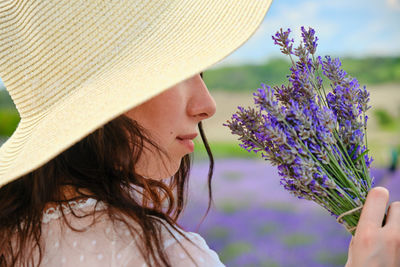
x=355, y=28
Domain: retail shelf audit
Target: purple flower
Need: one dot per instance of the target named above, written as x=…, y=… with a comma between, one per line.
x=281, y=39
x=309, y=39
x=316, y=140
x=331, y=69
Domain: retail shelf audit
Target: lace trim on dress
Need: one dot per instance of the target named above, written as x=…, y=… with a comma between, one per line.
x=55, y=213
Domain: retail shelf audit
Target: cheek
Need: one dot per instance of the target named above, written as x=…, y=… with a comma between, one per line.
x=164, y=130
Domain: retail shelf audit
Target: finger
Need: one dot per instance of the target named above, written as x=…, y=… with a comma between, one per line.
x=393, y=215
x=374, y=208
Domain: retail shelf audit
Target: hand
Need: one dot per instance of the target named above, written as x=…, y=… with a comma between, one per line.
x=374, y=245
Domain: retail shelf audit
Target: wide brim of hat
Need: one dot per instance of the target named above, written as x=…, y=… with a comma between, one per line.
x=199, y=35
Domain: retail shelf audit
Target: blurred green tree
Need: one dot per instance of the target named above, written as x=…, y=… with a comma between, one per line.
x=9, y=117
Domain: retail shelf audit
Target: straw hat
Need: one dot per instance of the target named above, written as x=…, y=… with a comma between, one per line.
x=71, y=66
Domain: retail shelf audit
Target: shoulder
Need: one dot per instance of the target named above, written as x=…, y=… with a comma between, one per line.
x=106, y=241
x=185, y=251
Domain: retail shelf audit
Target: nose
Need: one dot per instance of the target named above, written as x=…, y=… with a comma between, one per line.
x=201, y=104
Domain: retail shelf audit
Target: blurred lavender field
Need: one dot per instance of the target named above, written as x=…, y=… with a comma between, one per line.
x=255, y=222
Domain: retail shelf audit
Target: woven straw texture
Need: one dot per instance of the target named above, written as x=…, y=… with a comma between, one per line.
x=71, y=66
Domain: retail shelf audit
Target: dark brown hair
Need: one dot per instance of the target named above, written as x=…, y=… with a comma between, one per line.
x=104, y=164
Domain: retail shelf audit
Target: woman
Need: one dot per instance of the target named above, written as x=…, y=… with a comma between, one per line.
x=96, y=172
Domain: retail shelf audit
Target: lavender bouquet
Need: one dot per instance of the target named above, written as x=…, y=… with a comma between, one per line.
x=317, y=138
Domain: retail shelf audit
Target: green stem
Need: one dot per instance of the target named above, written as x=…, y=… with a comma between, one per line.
x=317, y=70
x=346, y=157
x=291, y=59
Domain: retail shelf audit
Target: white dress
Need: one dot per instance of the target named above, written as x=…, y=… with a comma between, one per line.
x=104, y=245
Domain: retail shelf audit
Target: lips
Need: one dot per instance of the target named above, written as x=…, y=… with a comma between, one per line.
x=186, y=141
x=188, y=136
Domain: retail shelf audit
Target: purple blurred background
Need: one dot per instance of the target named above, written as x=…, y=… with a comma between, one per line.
x=255, y=222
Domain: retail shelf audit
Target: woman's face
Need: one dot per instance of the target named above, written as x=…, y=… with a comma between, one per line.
x=171, y=119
